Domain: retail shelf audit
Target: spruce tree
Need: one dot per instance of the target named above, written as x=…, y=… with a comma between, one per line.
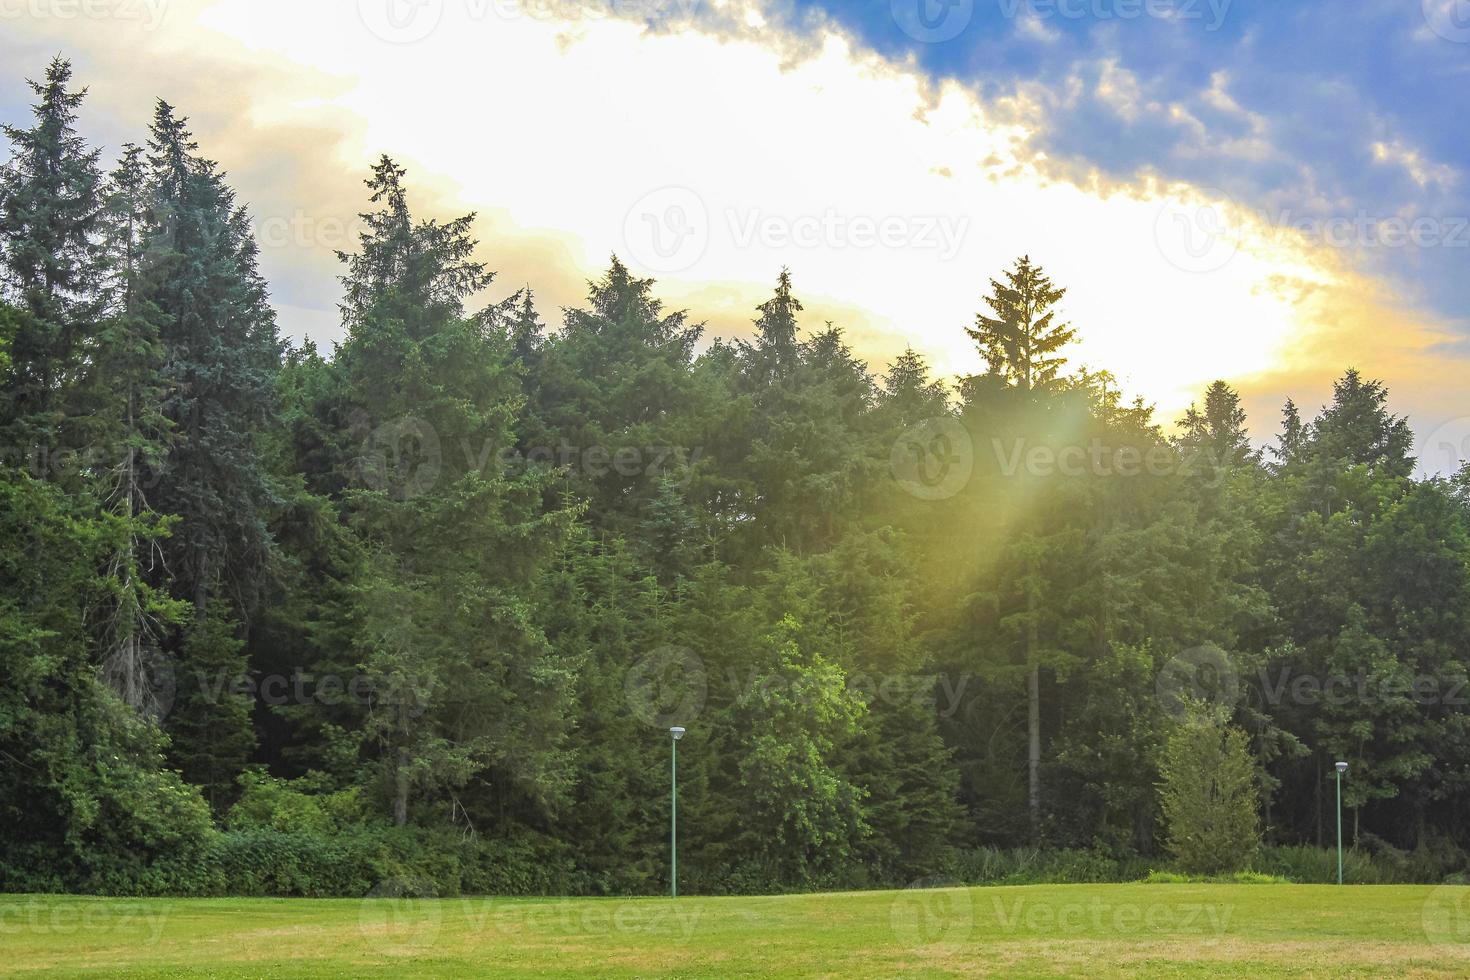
x=51, y=217
x=221, y=353
x=217, y=335
x=1020, y=339
x=462, y=679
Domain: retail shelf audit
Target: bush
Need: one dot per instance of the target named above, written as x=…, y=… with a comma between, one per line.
x=1318, y=866
x=1034, y=866
x=1237, y=878
x=1208, y=796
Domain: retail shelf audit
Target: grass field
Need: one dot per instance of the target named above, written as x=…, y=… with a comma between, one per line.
x=1178, y=930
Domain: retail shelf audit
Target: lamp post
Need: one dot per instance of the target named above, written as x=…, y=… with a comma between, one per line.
x=1341, y=768
x=677, y=734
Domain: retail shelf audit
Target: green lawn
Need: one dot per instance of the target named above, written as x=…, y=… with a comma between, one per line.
x=1184, y=930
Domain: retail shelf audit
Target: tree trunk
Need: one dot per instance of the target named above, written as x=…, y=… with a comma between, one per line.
x=1033, y=709
x=400, y=789
x=1033, y=747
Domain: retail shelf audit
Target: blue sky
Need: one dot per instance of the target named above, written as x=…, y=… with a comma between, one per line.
x=1330, y=79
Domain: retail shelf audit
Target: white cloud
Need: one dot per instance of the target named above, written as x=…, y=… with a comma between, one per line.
x=1420, y=170
x=892, y=200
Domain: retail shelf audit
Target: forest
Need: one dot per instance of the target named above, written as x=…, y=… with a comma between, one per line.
x=280, y=620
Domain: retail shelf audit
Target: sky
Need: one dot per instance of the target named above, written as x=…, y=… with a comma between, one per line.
x=1261, y=191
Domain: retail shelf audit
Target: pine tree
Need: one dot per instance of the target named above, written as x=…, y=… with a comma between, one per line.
x=1292, y=441
x=775, y=353
x=1021, y=340
x=217, y=337
x=221, y=353
x=1358, y=429
x=611, y=400
x=527, y=332
x=122, y=394
x=463, y=681
x=908, y=395
x=51, y=214
x=1215, y=442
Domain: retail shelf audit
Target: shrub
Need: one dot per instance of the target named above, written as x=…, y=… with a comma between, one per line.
x=1208, y=796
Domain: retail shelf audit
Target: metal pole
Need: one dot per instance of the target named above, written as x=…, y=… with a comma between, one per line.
x=1339, y=826
x=674, y=820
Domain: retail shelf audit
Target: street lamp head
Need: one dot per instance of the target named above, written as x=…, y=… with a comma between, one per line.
x=678, y=733
x=1342, y=767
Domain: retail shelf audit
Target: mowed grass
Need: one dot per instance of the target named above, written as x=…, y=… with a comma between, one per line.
x=1044, y=930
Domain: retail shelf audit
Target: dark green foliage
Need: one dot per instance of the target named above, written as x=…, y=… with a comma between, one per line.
x=423, y=607
x=1208, y=796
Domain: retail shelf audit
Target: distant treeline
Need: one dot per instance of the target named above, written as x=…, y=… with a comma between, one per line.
x=283, y=620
